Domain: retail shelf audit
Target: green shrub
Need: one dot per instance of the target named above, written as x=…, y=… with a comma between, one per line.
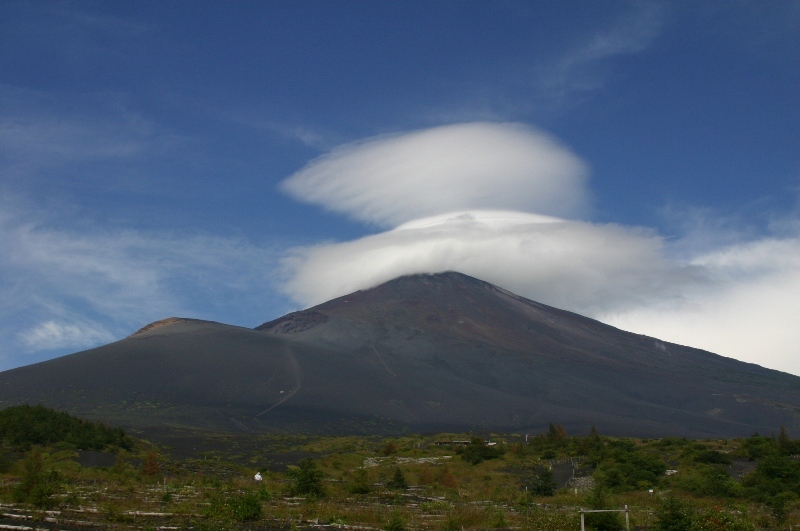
x=599, y=499
x=715, y=520
x=622, y=466
x=38, y=482
x=246, y=507
x=307, y=479
x=713, y=457
x=478, y=451
x=395, y=523
x=707, y=480
x=775, y=482
x=360, y=483
x=389, y=448
x=398, y=480
x=673, y=514
x=544, y=484
x=757, y=447
x=239, y=508
x=263, y=493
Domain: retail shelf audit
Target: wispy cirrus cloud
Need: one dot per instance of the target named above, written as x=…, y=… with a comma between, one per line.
x=42, y=132
x=51, y=335
x=80, y=285
x=584, y=67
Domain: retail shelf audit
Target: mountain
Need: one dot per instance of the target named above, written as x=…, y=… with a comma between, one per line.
x=422, y=353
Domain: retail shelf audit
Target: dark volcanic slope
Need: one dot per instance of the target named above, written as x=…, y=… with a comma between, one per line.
x=458, y=350
x=422, y=352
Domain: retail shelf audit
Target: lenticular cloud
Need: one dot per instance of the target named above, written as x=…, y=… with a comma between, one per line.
x=568, y=264
x=390, y=180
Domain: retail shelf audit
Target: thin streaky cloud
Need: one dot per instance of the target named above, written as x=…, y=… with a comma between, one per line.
x=85, y=285
x=51, y=335
x=583, y=69
x=37, y=130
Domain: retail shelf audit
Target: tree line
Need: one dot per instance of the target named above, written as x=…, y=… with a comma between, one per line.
x=23, y=427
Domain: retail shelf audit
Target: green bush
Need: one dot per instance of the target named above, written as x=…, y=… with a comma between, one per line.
x=246, y=507
x=712, y=457
x=707, y=480
x=38, y=483
x=622, y=466
x=478, y=451
x=398, y=480
x=757, y=447
x=544, y=484
x=673, y=514
x=360, y=483
x=599, y=499
x=307, y=479
x=263, y=493
x=395, y=523
x=240, y=508
x=775, y=483
x=720, y=521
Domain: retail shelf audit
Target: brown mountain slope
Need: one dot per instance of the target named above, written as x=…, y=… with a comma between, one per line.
x=424, y=352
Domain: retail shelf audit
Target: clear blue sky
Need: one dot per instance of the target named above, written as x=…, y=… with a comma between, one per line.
x=143, y=146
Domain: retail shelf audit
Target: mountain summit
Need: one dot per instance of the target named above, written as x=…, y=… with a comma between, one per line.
x=421, y=352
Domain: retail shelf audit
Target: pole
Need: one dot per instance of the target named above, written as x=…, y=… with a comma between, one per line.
x=583, y=527
x=627, y=521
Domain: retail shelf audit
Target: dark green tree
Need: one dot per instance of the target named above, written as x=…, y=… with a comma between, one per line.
x=38, y=482
x=398, y=480
x=307, y=479
x=775, y=482
x=673, y=514
x=396, y=523
x=360, y=483
x=756, y=447
x=389, y=448
x=786, y=445
x=478, y=451
x=26, y=426
x=246, y=507
x=622, y=466
x=544, y=484
x=600, y=499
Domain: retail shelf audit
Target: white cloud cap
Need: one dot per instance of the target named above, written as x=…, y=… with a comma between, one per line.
x=737, y=300
x=389, y=180
x=568, y=264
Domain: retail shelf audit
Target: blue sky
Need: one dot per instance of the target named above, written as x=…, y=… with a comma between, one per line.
x=637, y=162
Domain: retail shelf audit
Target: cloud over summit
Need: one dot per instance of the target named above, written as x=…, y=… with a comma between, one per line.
x=570, y=264
x=502, y=202
x=393, y=179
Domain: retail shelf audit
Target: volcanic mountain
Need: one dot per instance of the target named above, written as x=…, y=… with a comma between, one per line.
x=422, y=353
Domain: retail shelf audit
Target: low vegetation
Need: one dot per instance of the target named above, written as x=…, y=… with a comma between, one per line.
x=22, y=427
x=539, y=481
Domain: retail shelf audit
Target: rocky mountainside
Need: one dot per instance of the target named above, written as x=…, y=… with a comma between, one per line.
x=423, y=352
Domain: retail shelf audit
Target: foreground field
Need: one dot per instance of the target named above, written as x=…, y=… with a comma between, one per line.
x=443, y=481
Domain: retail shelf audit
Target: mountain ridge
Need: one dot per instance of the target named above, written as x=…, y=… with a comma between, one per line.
x=421, y=352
